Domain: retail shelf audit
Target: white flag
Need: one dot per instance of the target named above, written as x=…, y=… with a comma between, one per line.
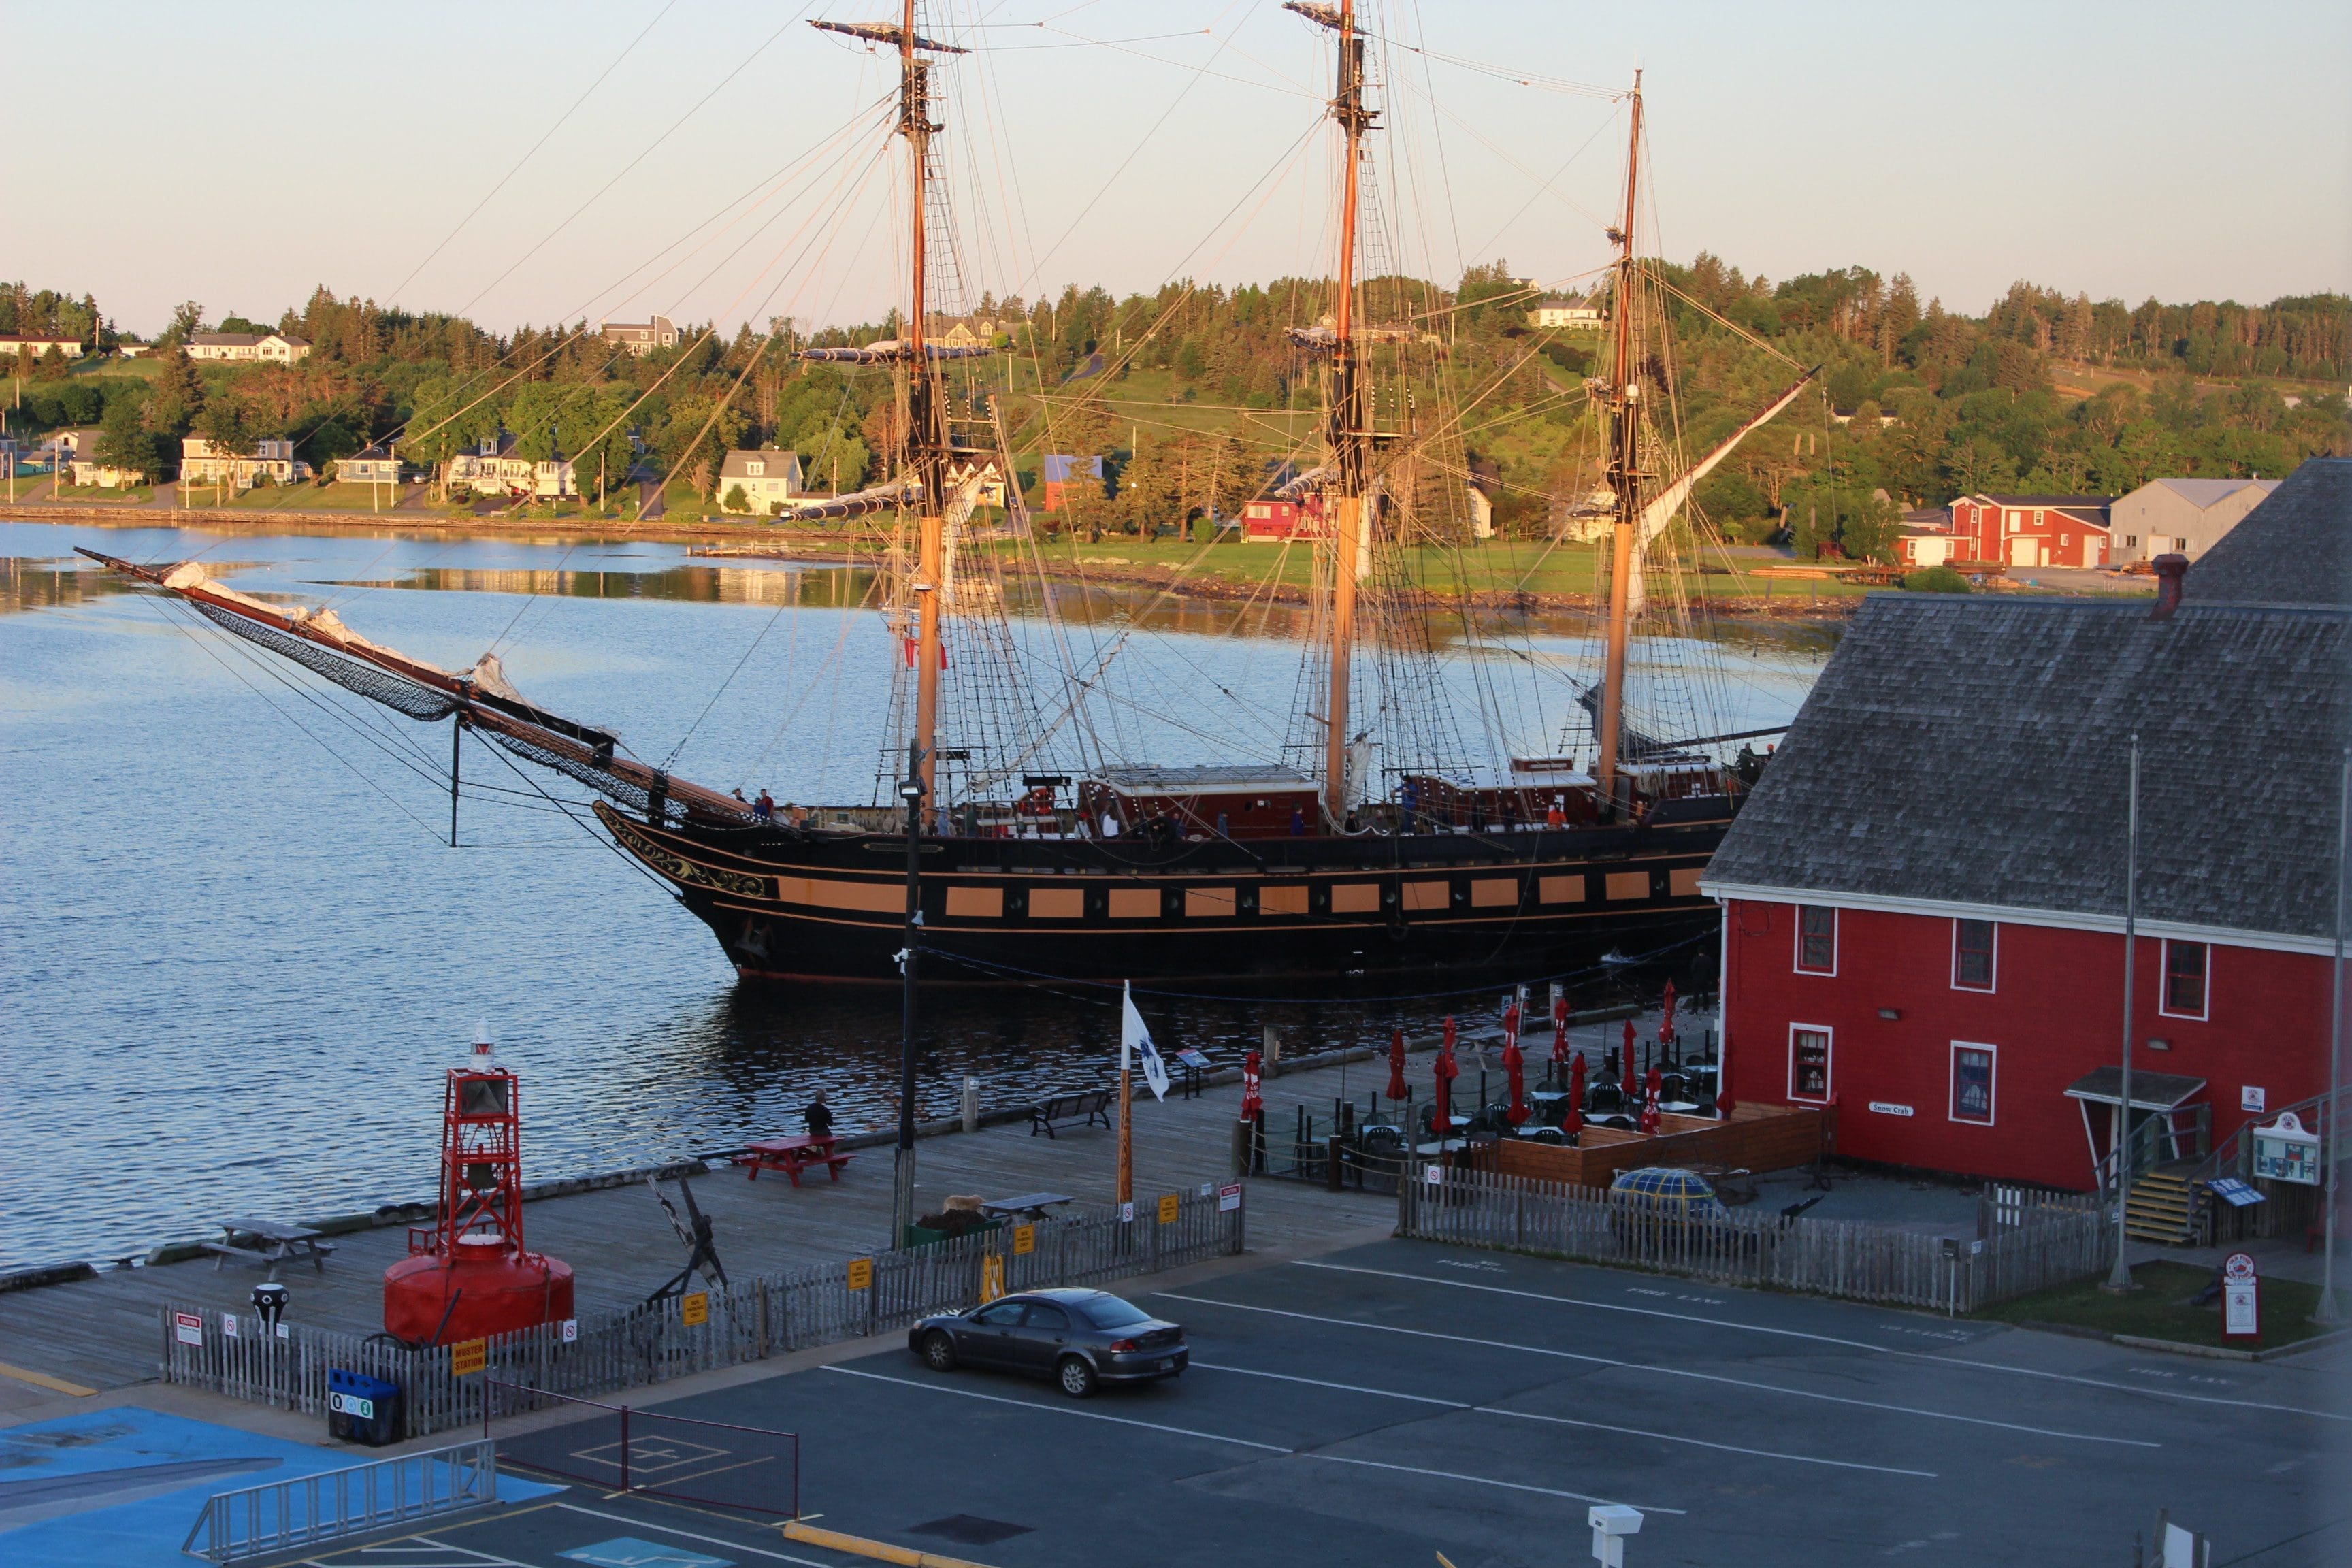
x=1134, y=1037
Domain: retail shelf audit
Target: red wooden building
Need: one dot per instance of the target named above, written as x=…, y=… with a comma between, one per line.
x=1276, y=521
x=1924, y=897
x=2033, y=531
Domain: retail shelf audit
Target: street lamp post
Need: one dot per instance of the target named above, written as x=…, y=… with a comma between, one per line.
x=902, y=1190
x=2329, y=1180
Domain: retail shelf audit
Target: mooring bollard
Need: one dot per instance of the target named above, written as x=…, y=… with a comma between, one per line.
x=970, y=1103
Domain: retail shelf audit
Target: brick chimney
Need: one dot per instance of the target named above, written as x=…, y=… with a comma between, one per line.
x=2169, y=571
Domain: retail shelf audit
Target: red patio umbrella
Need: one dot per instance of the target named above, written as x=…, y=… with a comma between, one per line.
x=1632, y=1078
x=1560, y=1029
x=1723, y=1100
x=1253, y=1104
x=1396, y=1065
x=1574, y=1120
x=1510, y=1025
x=1446, y=1070
x=1667, y=1020
x=1515, y=1063
x=1649, y=1093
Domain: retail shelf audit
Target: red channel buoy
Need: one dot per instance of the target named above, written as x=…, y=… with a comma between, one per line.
x=469, y=1277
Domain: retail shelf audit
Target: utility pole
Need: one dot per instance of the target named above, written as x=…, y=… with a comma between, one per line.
x=2119, y=1277
x=902, y=1184
x=2328, y=1312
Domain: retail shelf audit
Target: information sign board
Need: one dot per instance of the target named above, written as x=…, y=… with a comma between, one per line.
x=1229, y=1197
x=187, y=1328
x=861, y=1273
x=1170, y=1206
x=694, y=1309
x=2284, y=1152
x=2241, y=1304
x=1024, y=1239
x=467, y=1357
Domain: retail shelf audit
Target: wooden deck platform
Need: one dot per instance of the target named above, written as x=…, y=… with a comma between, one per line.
x=103, y=1332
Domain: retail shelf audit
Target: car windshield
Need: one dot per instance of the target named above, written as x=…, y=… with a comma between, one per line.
x=1110, y=1313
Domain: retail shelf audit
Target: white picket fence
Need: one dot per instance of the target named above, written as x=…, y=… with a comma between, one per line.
x=758, y=1318
x=2032, y=1241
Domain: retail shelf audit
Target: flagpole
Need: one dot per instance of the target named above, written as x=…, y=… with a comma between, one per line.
x=1126, y=1117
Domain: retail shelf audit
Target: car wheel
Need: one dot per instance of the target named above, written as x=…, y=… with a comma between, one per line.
x=939, y=1351
x=1076, y=1376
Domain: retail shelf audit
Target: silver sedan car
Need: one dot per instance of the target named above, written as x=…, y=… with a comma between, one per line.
x=1080, y=1338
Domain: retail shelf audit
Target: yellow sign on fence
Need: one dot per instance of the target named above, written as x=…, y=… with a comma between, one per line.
x=467, y=1357
x=1168, y=1207
x=1024, y=1239
x=861, y=1273
x=694, y=1309
x=992, y=1276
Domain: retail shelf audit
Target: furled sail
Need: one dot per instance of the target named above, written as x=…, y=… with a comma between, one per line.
x=1660, y=509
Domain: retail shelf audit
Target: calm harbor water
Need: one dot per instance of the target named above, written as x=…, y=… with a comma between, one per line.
x=236, y=950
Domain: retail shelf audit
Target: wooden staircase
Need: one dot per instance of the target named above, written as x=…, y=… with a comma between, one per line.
x=2165, y=1205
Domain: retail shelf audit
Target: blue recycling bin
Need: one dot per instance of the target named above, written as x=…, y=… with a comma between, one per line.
x=361, y=1409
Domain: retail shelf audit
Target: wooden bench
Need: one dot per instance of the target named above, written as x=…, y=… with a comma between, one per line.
x=793, y=1155
x=1085, y=1109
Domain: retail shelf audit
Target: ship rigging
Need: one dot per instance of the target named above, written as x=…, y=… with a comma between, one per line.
x=1035, y=850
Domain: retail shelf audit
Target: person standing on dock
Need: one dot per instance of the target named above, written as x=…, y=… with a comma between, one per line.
x=819, y=1117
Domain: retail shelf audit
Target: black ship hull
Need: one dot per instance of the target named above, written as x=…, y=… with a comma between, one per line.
x=1320, y=915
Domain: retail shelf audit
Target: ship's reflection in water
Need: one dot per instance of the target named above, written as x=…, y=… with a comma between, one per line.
x=236, y=950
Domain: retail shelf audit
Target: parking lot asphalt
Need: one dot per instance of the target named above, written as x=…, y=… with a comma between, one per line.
x=1387, y=1403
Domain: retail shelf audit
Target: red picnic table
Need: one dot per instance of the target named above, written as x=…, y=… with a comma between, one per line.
x=793, y=1155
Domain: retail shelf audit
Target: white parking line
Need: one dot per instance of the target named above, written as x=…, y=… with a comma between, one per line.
x=690, y=1535
x=1058, y=1409
x=1664, y=1371
x=1834, y=1340
x=1484, y=1482
x=1241, y=1442
x=1566, y=1421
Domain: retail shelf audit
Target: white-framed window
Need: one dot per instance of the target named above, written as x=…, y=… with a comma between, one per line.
x=1816, y=939
x=1975, y=954
x=2188, y=980
x=755, y=467
x=1810, y=1050
x=1972, y=1082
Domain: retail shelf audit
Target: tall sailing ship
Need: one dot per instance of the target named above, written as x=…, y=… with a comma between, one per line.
x=1370, y=851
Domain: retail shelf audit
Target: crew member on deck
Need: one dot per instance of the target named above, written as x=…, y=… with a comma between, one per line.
x=764, y=808
x=1558, y=815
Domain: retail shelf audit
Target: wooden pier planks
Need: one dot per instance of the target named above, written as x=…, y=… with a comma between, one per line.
x=102, y=1332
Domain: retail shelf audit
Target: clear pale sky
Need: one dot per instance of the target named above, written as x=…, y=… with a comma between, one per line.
x=239, y=151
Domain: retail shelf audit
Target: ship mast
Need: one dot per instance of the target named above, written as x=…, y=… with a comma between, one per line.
x=1350, y=434
x=925, y=403
x=1624, y=483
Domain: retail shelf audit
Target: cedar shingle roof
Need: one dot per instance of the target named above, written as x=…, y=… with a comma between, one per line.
x=1972, y=748
x=2294, y=549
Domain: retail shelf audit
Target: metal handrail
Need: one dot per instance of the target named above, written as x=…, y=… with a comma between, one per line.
x=256, y=1521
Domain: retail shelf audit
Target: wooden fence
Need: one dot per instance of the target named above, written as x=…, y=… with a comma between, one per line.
x=2035, y=1242
x=676, y=1338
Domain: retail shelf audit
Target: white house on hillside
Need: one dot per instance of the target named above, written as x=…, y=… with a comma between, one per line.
x=766, y=478
x=272, y=459
x=33, y=345
x=493, y=470
x=1563, y=313
x=2184, y=517
x=642, y=337
x=265, y=348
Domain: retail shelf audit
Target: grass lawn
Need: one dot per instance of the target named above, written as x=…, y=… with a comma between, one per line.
x=1497, y=566
x=140, y=493
x=2160, y=1310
